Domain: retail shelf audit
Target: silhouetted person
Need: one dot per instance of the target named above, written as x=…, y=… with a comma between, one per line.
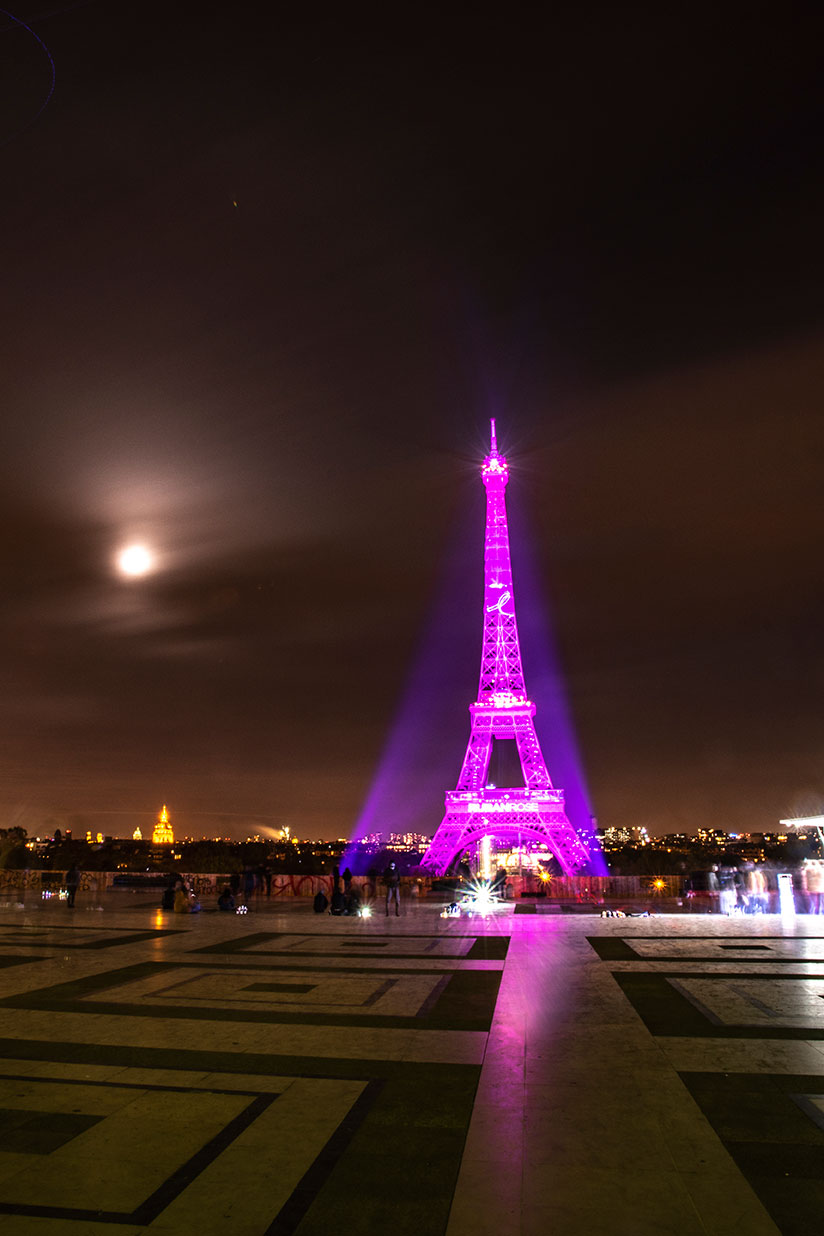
x=814, y=871
x=182, y=900
x=72, y=882
x=320, y=903
x=226, y=901
x=392, y=880
x=347, y=879
x=352, y=901
x=728, y=886
x=338, y=905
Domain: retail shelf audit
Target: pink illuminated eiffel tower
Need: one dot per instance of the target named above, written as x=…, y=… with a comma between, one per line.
x=534, y=812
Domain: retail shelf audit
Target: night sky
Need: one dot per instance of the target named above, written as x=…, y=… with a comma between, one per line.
x=264, y=281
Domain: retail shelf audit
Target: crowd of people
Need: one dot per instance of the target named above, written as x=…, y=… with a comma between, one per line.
x=752, y=888
x=746, y=888
x=346, y=899
x=235, y=896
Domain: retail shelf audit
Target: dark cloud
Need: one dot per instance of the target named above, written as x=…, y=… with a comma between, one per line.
x=265, y=279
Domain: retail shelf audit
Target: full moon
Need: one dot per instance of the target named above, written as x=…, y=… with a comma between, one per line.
x=135, y=560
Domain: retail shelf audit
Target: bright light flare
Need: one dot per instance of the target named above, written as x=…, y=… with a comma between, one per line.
x=479, y=898
x=135, y=560
x=366, y=911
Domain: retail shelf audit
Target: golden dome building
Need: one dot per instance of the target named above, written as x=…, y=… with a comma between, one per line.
x=163, y=834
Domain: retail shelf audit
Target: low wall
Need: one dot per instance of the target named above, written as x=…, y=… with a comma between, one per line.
x=204, y=885
x=596, y=888
x=286, y=887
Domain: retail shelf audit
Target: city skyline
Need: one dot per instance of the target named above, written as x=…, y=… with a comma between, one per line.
x=265, y=283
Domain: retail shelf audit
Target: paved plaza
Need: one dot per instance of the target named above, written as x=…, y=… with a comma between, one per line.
x=529, y=1072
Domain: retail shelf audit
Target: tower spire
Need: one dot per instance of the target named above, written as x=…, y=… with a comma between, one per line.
x=502, y=674
x=535, y=810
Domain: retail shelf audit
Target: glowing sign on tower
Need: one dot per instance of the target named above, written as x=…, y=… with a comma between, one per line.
x=474, y=809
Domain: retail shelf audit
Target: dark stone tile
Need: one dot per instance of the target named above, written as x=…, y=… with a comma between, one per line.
x=610, y=948
x=763, y=1159
x=27, y=1132
x=796, y=1206
x=489, y=948
x=300, y=989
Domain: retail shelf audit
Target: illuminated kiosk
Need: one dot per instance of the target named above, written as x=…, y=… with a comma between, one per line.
x=813, y=823
x=163, y=834
x=474, y=809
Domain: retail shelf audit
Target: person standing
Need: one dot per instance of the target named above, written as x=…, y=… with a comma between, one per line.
x=72, y=883
x=814, y=871
x=392, y=880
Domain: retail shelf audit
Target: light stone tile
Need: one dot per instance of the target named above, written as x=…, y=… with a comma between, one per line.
x=446, y=1046
x=756, y=1001
x=254, y=1082
x=689, y=1055
x=614, y=1135
x=61, y=1070
x=724, y=948
x=621, y=1202
x=11, y=1164
x=488, y=1199
x=496, y=1133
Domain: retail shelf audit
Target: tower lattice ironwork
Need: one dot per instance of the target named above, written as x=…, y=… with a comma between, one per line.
x=534, y=812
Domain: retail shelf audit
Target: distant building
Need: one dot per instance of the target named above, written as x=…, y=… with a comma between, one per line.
x=408, y=841
x=163, y=834
x=615, y=838
x=137, y=834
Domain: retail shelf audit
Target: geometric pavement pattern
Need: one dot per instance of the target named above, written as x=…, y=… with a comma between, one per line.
x=203, y=1076
x=283, y=1072
x=750, y=1009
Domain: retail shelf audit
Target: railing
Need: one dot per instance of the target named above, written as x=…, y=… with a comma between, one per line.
x=287, y=887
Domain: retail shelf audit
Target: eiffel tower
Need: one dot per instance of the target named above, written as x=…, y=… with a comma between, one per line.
x=534, y=812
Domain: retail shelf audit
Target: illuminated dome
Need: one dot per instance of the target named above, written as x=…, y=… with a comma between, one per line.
x=163, y=834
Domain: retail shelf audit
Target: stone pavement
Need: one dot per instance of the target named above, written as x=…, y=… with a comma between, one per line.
x=280, y=1072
